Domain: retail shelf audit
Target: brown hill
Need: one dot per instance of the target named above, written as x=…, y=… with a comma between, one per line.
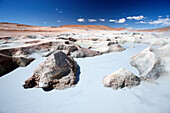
x=14, y=27
x=164, y=29
x=91, y=27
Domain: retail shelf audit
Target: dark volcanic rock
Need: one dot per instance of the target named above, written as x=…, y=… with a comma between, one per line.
x=58, y=71
x=8, y=63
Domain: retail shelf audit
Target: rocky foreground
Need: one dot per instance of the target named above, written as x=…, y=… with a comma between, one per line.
x=151, y=64
x=59, y=70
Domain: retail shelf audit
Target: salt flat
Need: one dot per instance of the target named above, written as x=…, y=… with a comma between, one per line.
x=89, y=95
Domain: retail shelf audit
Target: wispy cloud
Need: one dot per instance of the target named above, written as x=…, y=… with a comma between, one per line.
x=92, y=20
x=129, y=28
x=165, y=21
x=142, y=22
x=136, y=17
x=60, y=11
x=102, y=20
x=45, y=22
x=159, y=16
x=58, y=21
x=112, y=20
x=80, y=20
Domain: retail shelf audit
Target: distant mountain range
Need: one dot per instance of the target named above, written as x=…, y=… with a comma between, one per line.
x=4, y=26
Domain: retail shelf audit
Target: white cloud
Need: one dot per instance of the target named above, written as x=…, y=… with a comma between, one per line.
x=129, y=28
x=60, y=11
x=58, y=20
x=165, y=21
x=136, y=17
x=45, y=22
x=92, y=20
x=80, y=20
x=121, y=20
x=159, y=16
x=111, y=20
x=102, y=20
x=142, y=22
x=118, y=21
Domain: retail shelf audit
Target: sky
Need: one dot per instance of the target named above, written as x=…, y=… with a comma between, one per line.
x=136, y=14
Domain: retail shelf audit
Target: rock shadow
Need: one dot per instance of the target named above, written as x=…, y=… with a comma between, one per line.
x=78, y=74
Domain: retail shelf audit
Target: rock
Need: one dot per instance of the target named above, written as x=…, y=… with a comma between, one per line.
x=121, y=78
x=158, y=42
x=107, y=47
x=149, y=63
x=84, y=52
x=24, y=61
x=132, y=46
x=94, y=39
x=57, y=71
x=31, y=82
x=72, y=39
x=115, y=47
x=72, y=48
x=8, y=63
x=111, y=43
x=108, y=39
x=28, y=50
x=74, y=51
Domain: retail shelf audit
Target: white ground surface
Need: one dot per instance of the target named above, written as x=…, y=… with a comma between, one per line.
x=89, y=95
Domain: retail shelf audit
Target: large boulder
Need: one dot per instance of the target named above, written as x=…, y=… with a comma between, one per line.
x=149, y=63
x=8, y=63
x=121, y=78
x=57, y=71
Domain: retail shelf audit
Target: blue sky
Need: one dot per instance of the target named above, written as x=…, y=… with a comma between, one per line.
x=115, y=13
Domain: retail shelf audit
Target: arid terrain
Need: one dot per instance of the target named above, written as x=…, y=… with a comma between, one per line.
x=84, y=68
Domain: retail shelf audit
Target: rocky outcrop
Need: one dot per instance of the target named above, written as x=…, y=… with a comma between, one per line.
x=68, y=47
x=115, y=48
x=58, y=71
x=8, y=63
x=84, y=52
x=28, y=50
x=121, y=78
x=152, y=63
x=75, y=51
x=149, y=63
x=107, y=47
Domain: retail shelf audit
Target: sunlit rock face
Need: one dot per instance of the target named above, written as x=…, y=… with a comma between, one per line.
x=121, y=78
x=58, y=71
x=152, y=63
